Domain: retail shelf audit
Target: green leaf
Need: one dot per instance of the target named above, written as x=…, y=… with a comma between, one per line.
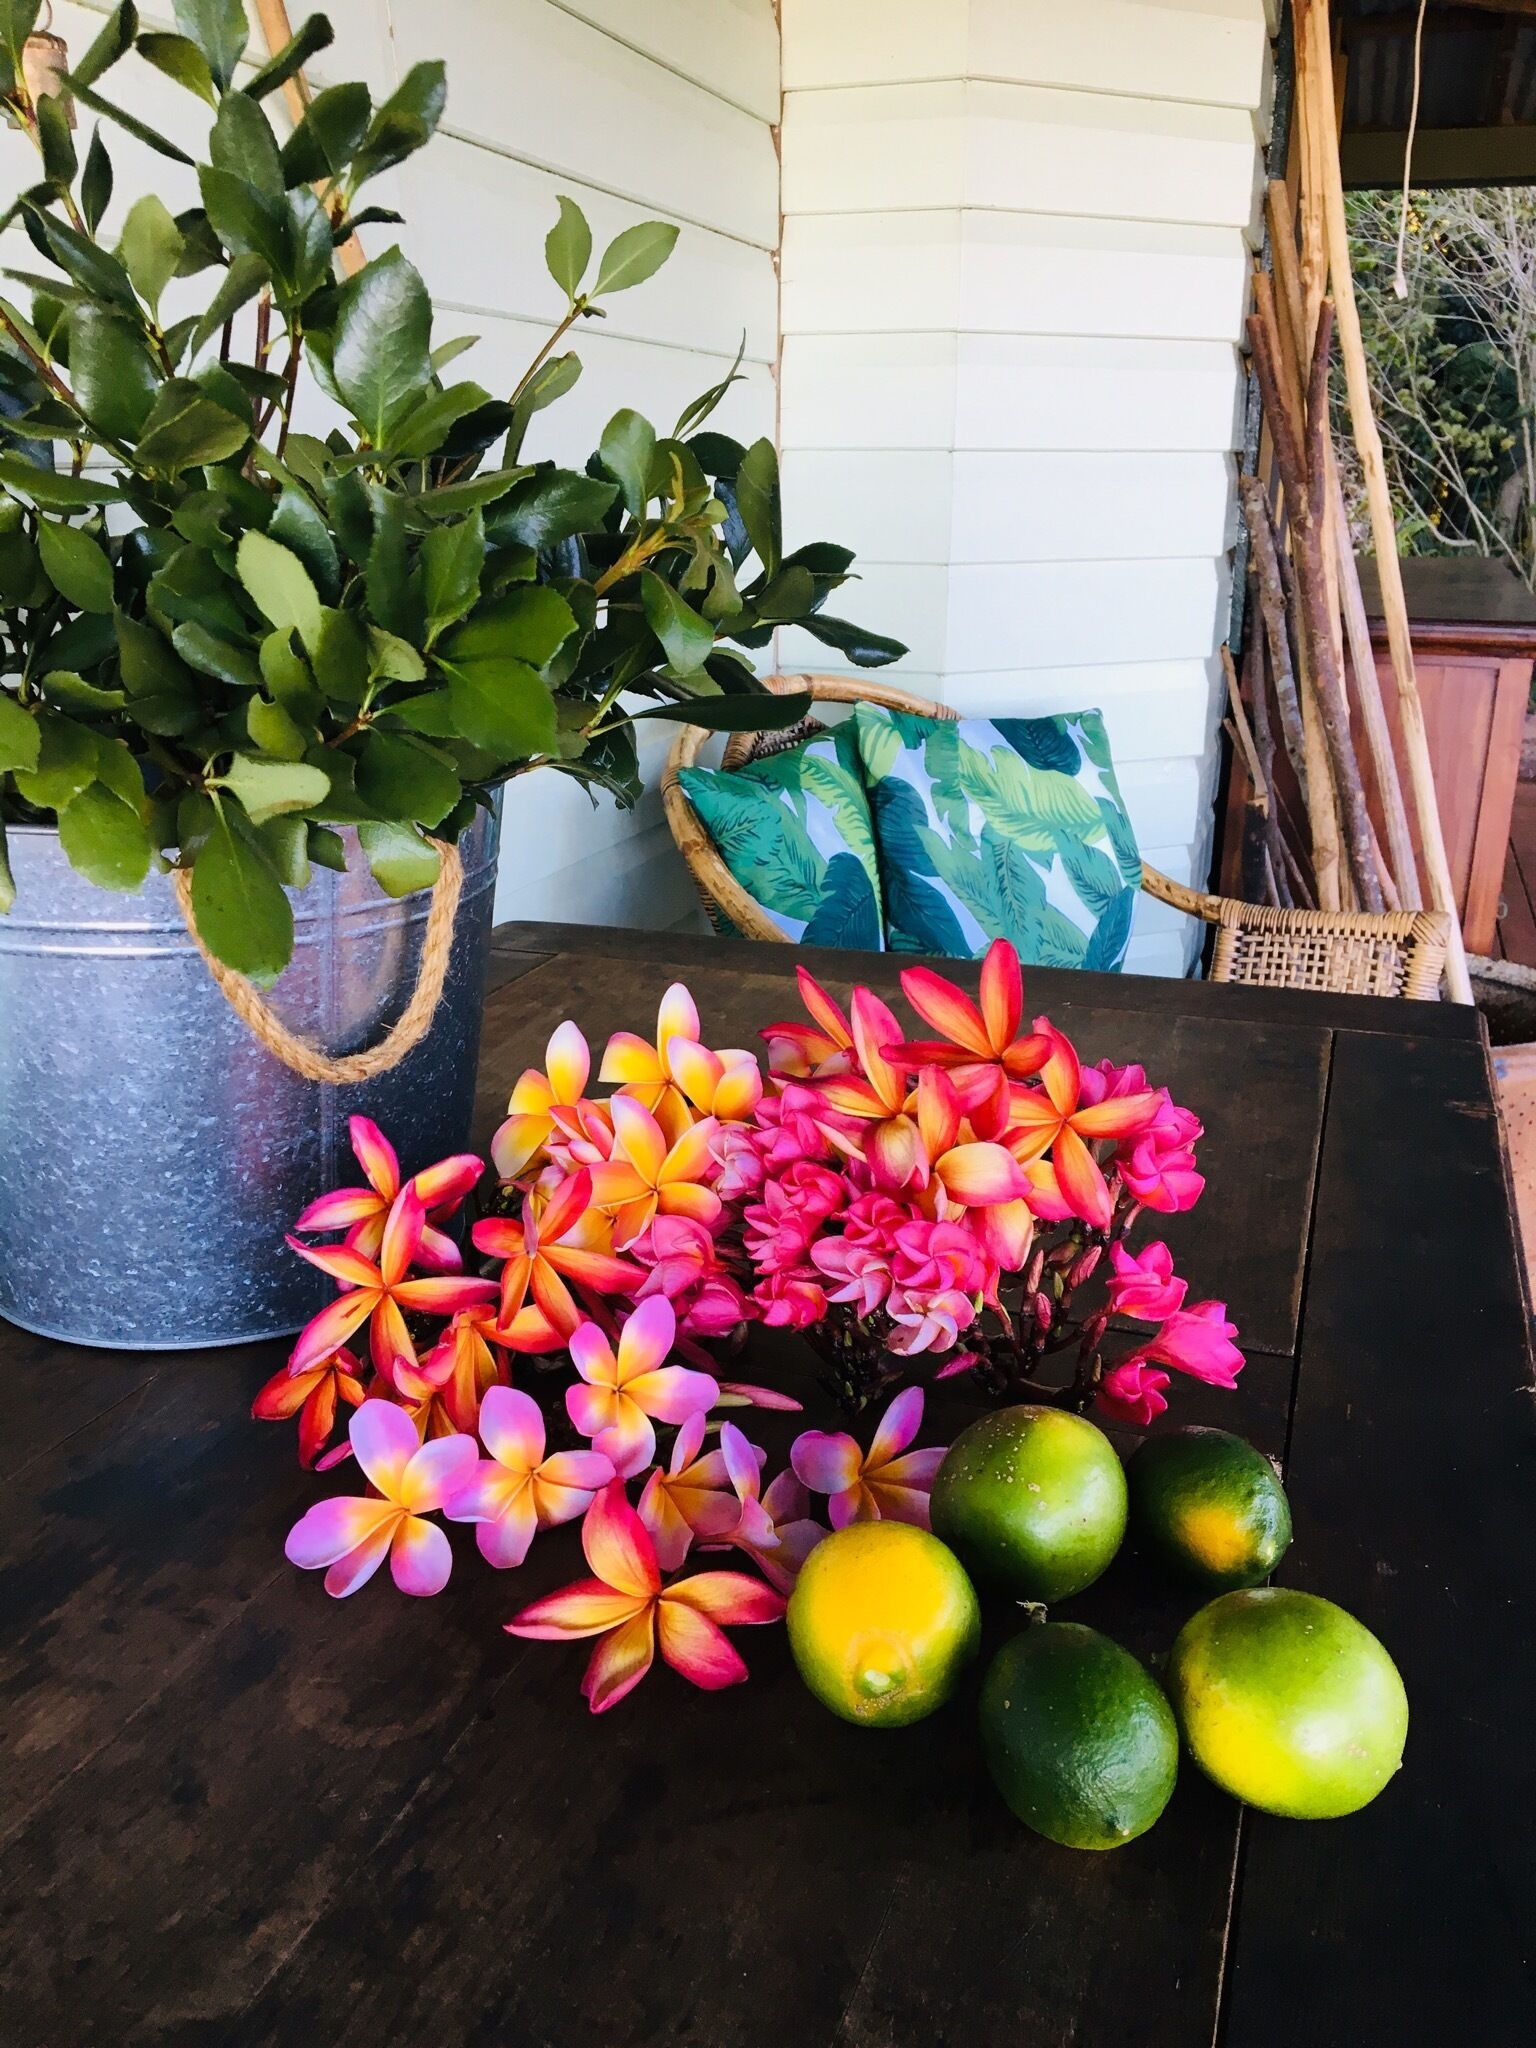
x=186, y=429
x=391, y=597
x=298, y=525
x=150, y=247
x=393, y=658
x=401, y=861
x=686, y=637
x=285, y=842
x=382, y=354
x=273, y=731
x=527, y=624
x=22, y=582
x=18, y=18
x=425, y=428
x=105, y=839
x=129, y=123
x=402, y=777
x=633, y=256
x=66, y=762
x=181, y=59
x=241, y=142
x=287, y=676
x=280, y=585
x=20, y=741
x=98, y=275
x=76, y=565
x=863, y=648
x=733, y=714
x=342, y=664
x=329, y=135
x=220, y=31
x=114, y=41
x=315, y=35
x=568, y=247
x=7, y=879
x=504, y=706
x=757, y=500
x=96, y=181
x=56, y=142
x=448, y=501
x=56, y=493
x=626, y=451
x=114, y=380
x=269, y=788
x=787, y=598
x=451, y=560
x=326, y=848
x=551, y=381
x=242, y=914
x=407, y=120
x=64, y=687
x=244, y=278
x=212, y=655
x=162, y=695
x=550, y=506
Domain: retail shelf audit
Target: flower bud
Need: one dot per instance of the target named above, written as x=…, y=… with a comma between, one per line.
x=1044, y=1313
x=1083, y=1268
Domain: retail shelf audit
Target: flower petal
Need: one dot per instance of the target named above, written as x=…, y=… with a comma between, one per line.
x=874, y=1028
x=375, y=1155
x=639, y=1137
x=445, y=1295
x=899, y=1424
x=568, y=1062
x=570, y=1472
x=826, y=1462
x=629, y=1060
x=329, y=1330
x=1002, y=994
x=676, y=1017
x=512, y=1428
x=332, y=1528
x=359, y=1565
x=592, y=1355
x=732, y=1597
x=616, y=1544
x=696, y=1648
x=978, y=1175
x=628, y=1441
x=505, y=1541
x=587, y=1608
x=339, y=1262
x=340, y=1209
x=619, y=1662
x=449, y=1180
x=946, y=1008
x=485, y=1494
x=421, y=1557
x=384, y=1442
x=566, y=1207
x=673, y=1394
x=1080, y=1180
x=402, y=1234
x=438, y=1469
x=646, y=1339
x=1060, y=1073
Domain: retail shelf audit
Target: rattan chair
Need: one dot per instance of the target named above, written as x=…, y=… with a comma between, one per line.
x=1400, y=953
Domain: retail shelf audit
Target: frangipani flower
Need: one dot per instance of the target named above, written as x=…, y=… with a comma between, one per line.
x=627, y=1605
x=567, y=1063
x=624, y=1393
x=464, y=1363
x=776, y=1532
x=350, y=1538
x=1143, y=1284
x=724, y=1085
x=312, y=1395
x=361, y=1211
x=1132, y=1392
x=868, y=1485
x=645, y=1178
x=879, y=1095
x=541, y=1259
x=1052, y=1118
x=517, y=1491
x=1198, y=1341
x=689, y=1496
x=981, y=1048
x=822, y=1047
x=644, y=1071
x=377, y=1292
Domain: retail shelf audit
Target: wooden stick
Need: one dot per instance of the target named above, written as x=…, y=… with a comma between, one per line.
x=1272, y=609
x=1402, y=867
x=1255, y=832
x=1314, y=77
x=1312, y=589
x=1263, y=742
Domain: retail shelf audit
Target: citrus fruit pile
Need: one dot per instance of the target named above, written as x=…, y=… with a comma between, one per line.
x=1282, y=1698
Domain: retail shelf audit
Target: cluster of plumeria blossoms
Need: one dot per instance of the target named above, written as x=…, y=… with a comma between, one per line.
x=924, y=1208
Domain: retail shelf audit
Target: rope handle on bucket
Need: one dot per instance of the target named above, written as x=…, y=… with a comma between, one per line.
x=415, y=1019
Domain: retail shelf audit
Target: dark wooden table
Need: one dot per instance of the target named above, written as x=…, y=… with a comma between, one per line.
x=238, y=1813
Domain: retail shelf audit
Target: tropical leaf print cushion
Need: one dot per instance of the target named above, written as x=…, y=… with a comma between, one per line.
x=1002, y=828
x=795, y=831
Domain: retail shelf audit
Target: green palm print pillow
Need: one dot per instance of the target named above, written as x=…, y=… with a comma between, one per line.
x=795, y=831
x=1000, y=828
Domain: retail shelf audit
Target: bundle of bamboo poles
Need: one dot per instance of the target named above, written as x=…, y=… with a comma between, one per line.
x=1317, y=832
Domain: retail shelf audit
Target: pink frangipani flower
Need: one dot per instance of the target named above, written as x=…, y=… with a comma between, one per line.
x=1143, y=1284
x=350, y=1538
x=866, y=1486
x=690, y=1496
x=361, y=1212
x=775, y=1529
x=517, y=1491
x=627, y=1605
x=624, y=1393
x=1132, y=1392
x=1198, y=1341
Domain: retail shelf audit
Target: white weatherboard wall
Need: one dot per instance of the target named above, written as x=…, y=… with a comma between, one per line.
x=1015, y=255
x=664, y=112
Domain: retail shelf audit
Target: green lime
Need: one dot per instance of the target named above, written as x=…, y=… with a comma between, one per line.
x=881, y=1623
x=1032, y=1498
x=1210, y=1505
x=1078, y=1736
x=1288, y=1702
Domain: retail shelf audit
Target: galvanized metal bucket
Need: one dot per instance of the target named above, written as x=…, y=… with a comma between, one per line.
x=152, y=1153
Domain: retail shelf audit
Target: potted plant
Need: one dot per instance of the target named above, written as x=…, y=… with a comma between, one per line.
x=251, y=674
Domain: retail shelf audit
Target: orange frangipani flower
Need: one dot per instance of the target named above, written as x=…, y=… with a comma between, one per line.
x=1052, y=1118
x=980, y=1048
x=647, y=1177
x=312, y=1395
x=541, y=1260
x=644, y=1071
x=530, y=1119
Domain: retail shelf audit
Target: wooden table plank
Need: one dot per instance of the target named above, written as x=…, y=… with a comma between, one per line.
x=1412, y=1476
x=1046, y=988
